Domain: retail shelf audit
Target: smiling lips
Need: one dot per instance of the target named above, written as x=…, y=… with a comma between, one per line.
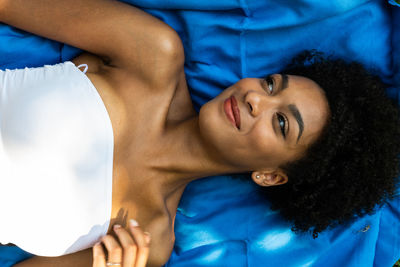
x=232, y=111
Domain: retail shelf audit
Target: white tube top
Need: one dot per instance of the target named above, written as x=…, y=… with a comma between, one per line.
x=56, y=160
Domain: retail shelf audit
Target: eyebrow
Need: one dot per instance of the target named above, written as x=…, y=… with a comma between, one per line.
x=295, y=112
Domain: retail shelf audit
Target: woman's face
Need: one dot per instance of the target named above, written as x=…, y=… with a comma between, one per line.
x=261, y=124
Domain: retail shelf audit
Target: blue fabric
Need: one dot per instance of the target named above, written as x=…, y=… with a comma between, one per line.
x=221, y=221
x=394, y=2
x=11, y=255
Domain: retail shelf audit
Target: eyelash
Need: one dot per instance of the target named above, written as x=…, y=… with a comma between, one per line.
x=270, y=83
x=282, y=118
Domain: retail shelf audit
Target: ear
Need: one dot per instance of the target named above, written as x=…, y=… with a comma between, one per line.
x=269, y=177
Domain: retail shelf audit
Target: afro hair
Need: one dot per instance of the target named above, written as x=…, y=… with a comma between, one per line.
x=353, y=167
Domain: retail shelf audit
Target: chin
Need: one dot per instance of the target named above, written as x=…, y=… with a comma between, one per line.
x=212, y=128
x=208, y=120
x=218, y=134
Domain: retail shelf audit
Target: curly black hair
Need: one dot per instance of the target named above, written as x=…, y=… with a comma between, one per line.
x=353, y=167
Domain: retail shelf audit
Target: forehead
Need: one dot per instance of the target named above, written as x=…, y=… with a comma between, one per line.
x=312, y=105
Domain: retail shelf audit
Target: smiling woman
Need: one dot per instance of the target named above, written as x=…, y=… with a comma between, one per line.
x=269, y=124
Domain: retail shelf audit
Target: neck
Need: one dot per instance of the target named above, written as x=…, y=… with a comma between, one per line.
x=189, y=156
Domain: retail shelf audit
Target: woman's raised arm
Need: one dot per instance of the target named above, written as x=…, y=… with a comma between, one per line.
x=121, y=34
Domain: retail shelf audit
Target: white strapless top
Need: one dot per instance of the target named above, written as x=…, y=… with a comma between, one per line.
x=56, y=160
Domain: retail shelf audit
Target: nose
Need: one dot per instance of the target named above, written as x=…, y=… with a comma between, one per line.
x=258, y=102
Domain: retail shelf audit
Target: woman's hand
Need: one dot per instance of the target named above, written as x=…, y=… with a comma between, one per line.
x=132, y=250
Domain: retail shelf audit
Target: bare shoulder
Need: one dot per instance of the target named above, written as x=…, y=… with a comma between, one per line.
x=160, y=71
x=109, y=79
x=95, y=63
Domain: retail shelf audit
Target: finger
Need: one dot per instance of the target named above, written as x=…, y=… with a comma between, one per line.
x=128, y=245
x=143, y=253
x=137, y=234
x=113, y=248
x=142, y=241
x=99, y=258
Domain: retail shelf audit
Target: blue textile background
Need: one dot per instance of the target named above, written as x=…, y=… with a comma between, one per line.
x=222, y=221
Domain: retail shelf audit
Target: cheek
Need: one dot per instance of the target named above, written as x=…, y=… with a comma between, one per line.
x=262, y=136
x=266, y=146
x=260, y=142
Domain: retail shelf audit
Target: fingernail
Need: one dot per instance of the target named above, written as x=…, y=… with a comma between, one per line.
x=133, y=223
x=97, y=243
x=147, y=237
x=117, y=226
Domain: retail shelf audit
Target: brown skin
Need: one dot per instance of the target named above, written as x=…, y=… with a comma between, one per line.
x=259, y=142
x=130, y=248
x=160, y=143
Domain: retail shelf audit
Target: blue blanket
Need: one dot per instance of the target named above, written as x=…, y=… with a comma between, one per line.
x=221, y=221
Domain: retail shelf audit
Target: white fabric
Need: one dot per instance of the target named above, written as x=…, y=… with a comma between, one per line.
x=56, y=159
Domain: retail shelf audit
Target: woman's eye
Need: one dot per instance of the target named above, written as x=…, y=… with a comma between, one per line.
x=270, y=84
x=282, y=124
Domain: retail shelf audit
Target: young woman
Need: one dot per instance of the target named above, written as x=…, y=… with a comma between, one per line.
x=122, y=140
